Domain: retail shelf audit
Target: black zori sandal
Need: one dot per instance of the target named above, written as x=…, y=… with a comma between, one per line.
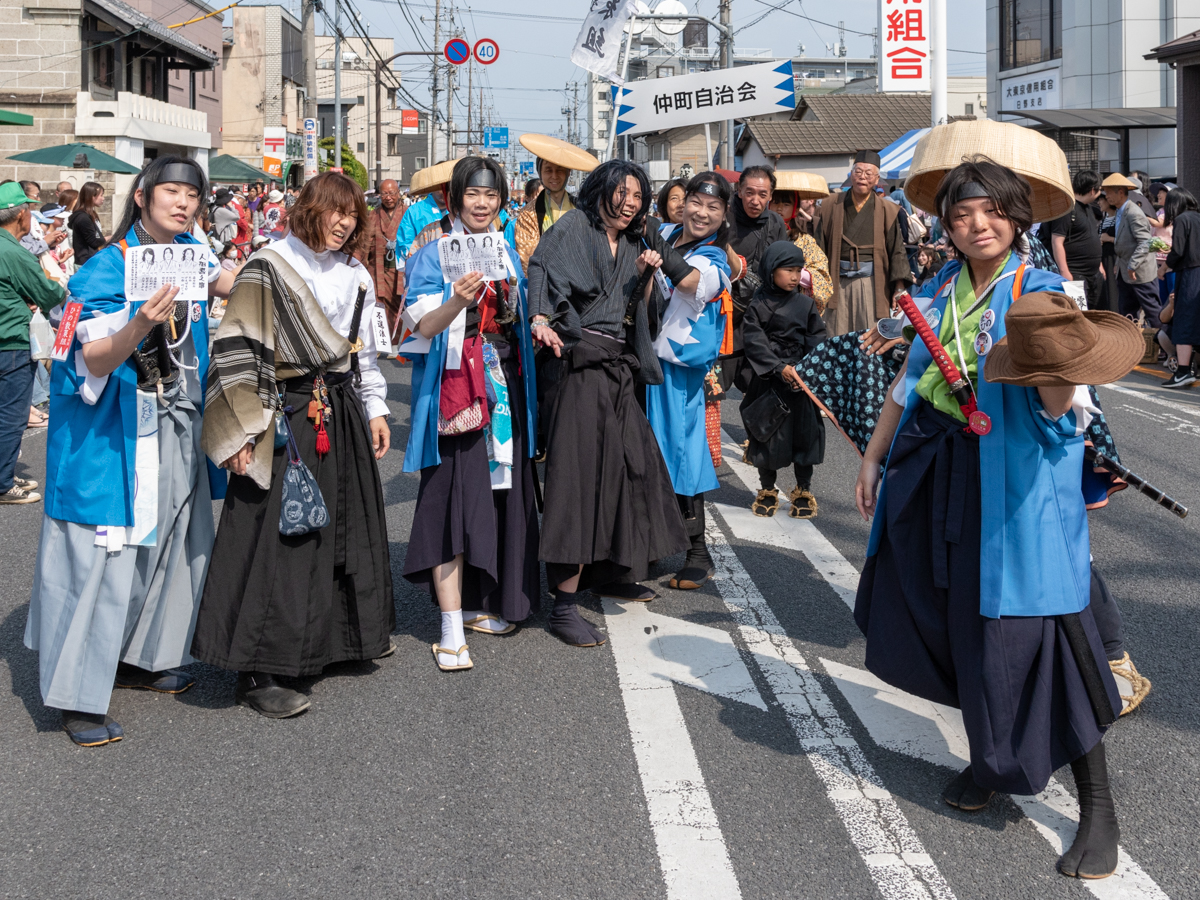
x=1094, y=854
x=569, y=626
x=963, y=793
x=90, y=729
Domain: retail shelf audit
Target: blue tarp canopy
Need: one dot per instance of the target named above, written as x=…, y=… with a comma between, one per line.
x=896, y=157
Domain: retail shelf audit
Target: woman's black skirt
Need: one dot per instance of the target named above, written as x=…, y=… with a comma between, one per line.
x=1185, y=326
x=800, y=439
x=1022, y=693
x=293, y=605
x=496, y=531
x=609, y=502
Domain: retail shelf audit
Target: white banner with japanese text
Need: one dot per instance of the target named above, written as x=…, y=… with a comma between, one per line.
x=598, y=47
x=904, y=56
x=661, y=103
x=1033, y=90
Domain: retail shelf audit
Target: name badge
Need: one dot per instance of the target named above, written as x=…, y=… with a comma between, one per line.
x=379, y=328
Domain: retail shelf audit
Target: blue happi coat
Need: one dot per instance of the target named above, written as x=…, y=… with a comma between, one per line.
x=92, y=436
x=688, y=343
x=427, y=289
x=1034, y=552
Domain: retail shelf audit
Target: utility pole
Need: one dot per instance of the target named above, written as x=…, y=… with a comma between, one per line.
x=489, y=117
x=937, y=48
x=727, y=63
x=337, y=84
x=578, y=134
x=451, y=138
x=470, y=94
x=431, y=126
x=380, y=68
x=308, y=39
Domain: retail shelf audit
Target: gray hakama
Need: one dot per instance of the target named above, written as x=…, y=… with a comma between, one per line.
x=91, y=608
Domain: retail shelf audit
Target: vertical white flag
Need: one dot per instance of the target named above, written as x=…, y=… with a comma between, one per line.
x=598, y=46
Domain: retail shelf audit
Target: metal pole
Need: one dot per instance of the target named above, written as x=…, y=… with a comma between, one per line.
x=337, y=84
x=612, y=122
x=308, y=39
x=470, y=95
x=708, y=161
x=431, y=125
x=451, y=139
x=937, y=47
x=726, y=22
x=378, y=126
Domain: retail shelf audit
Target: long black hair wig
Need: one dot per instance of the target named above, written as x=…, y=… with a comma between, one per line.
x=160, y=171
x=724, y=193
x=606, y=180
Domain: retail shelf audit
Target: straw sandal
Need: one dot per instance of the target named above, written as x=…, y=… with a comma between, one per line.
x=1132, y=684
x=804, y=504
x=766, y=503
x=476, y=624
x=746, y=451
x=457, y=654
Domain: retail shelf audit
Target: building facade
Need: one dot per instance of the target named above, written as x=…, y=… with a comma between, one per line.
x=1048, y=55
x=112, y=75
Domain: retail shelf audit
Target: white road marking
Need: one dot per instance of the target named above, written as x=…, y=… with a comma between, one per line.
x=893, y=717
x=1150, y=398
x=915, y=727
x=652, y=653
x=879, y=830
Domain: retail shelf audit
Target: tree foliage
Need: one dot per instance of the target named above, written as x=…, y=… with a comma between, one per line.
x=350, y=164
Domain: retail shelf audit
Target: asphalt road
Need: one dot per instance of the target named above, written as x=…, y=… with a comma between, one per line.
x=533, y=775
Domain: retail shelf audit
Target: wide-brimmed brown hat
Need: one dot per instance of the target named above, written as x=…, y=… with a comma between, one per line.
x=1117, y=180
x=559, y=152
x=1030, y=154
x=1050, y=342
x=806, y=185
x=432, y=177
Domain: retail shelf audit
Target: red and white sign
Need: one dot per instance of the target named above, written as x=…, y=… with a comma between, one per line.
x=66, y=331
x=904, y=56
x=487, y=51
x=410, y=121
x=274, y=140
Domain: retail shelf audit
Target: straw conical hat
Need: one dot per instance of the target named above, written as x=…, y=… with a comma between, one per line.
x=431, y=177
x=1031, y=155
x=553, y=150
x=806, y=184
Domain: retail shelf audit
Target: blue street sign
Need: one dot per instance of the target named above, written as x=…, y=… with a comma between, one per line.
x=529, y=168
x=496, y=138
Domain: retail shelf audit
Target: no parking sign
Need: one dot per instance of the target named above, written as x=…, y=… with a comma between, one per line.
x=457, y=51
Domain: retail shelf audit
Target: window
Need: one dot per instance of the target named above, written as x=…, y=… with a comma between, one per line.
x=102, y=66
x=968, y=109
x=860, y=73
x=361, y=147
x=604, y=115
x=419, y=162
x=1030, y=32
x=602, y=94
x=664, y=71
x=393, y=144
x=391, y=98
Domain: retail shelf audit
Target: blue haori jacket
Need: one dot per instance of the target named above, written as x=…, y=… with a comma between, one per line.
x=92, y=439
x=1034, y=554
x=427, y=289
x=688, y=343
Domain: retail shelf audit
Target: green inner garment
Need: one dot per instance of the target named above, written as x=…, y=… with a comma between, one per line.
x=932, y=385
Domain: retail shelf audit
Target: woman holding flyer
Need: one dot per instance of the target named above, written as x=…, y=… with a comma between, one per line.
x=128, y=529
x=475, y=530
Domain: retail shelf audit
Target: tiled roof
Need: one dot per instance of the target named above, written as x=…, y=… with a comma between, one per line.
x=155, y=29
x=842, y=123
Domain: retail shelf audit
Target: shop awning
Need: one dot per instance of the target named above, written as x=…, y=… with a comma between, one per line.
x=226, y=169
x=896, y=158
x=8, y=117
x=1094, y=119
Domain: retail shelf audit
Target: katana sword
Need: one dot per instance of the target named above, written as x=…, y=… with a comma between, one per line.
x=1097, y=458
x=977, y=420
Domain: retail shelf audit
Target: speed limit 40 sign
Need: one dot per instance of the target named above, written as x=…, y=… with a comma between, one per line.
x=487, y=51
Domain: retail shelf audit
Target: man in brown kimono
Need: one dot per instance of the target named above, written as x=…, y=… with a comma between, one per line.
x=382, y=260
x=860, y=232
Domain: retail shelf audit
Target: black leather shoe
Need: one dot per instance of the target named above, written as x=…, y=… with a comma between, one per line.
x=267, y=697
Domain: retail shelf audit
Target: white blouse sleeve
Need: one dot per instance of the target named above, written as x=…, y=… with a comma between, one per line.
x=373, y=389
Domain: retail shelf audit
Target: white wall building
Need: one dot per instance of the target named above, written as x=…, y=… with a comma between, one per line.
x=1050, y=55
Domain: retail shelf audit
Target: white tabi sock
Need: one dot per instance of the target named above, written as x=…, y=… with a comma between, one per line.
x=453, y=637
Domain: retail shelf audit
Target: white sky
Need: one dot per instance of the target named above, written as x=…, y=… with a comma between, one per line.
x=525, y=85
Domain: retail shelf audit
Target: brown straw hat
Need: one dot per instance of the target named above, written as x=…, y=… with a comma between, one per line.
x=806, y=185
x=1051, y=343
x=559, y=152
x=1031, y=155
x=432, y=177
x=1116, y=179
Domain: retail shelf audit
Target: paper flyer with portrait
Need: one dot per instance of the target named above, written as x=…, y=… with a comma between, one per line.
x=150, y=266
x=463, y=253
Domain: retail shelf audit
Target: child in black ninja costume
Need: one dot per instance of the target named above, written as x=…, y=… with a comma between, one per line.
x=781, y=325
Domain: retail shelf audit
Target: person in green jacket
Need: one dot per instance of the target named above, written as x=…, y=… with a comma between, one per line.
x=22, y=283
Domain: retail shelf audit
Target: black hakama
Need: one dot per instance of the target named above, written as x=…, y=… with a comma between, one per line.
x=800, y=438
x=293, y=605
x=1016, y=679
x=609, y=503
x=496, y=531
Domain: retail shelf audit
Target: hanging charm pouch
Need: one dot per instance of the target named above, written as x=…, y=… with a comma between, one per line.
x=301, y=507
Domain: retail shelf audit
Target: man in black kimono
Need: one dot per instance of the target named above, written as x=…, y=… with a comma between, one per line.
x=610, y=508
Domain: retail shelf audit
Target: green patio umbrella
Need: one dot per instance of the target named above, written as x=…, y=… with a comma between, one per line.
x=64, y=156
x=226, y=169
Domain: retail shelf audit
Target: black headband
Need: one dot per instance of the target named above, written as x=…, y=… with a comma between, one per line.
x=483, y=177
x=707, y=187
x=968, y=190
x=181, y=173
